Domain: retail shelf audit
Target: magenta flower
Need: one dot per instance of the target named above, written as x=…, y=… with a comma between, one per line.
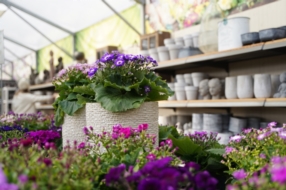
x=85, y=130
x=263, y=135
x=169, y=143
x=4, y=185
x=81, y=145
x=229, y=149
x=246, y=131
x=239, y=174
x=143, y=127
x=115, y=173
x=127, y=132
x=278, y=174
x=151, y=157
x=282, y=135
x=23, y=178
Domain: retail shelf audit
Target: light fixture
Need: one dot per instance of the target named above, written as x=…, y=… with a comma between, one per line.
x=3, y=9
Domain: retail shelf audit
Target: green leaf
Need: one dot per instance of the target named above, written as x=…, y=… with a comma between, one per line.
x=185, y=145
x=115, y=100
x=59, y=117
x=81, y=100
x=122, y=87
x=214, y=164
x=165, y=131
x=84, y=90
x=72, y=96
x=219, y=151
x=70, y=107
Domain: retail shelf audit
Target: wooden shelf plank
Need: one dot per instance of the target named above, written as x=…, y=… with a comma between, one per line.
x=275, y=102
x=45, y=107
x=214, y=103
x=42, y=86
x=275, y=44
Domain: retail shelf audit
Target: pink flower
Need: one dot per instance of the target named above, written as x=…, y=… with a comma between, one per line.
x=143, y=127
x=229, y=149
x=239, y=174
x=127, y=132
x=236, y=138
x=169, y=143
x=151, y=157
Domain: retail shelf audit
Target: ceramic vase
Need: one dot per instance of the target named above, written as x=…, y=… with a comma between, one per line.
x=244, y=86
x=230, y=87
x=262, y=86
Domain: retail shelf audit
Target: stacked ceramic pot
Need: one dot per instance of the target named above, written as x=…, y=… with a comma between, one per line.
x=212, y=122
x=197, y=122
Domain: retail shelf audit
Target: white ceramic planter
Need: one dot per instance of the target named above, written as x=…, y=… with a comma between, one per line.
x=236, y=125
x=229, y=32
x=230, y=87
x=179, y=41
x=197, y=78
x=154, y=53
x=188, y=78
x=180, y=93
x=144, y=53
x=275, y=81
x=244, y=86
x=180, y=85
x=180, y=78
x=72, y=128
x=188, y=40
x=212, y=122
x=191, y=92
x=163, y=53
x=169, y=41
x=102, y=119
x=172, y=87
x=262, y=86
x=197, y=122
x=174, y=51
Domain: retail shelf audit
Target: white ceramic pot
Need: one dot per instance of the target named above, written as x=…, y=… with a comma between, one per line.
x=188, y=40
x=154, y=53
x=144, y=53
x=229, y=32
x=212, y=122
x=180, y=93
x=244, y=86
x=163, y=53
x=172, y=87
x=196, y=39
x=230, y=87
x=236, y=125
x=180, y=85
x=102, y=119
x=197, y=78
x=191, y=92
x=180, y=78
x=174, y=51
x=188, y=78
x=197, y=122
x=179, y=41
x=72, y=128
x=169, y=41
x=275, y=83
x=262, y=86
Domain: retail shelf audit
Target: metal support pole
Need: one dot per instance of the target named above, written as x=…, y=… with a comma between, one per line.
x=63, y=50
x=1, y=64
x=121, y=17
x=9, y=3
x=18, y=43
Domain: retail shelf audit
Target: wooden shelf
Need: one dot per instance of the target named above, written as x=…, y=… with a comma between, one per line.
x=46, y=86
x=222, y=58
x=45, y=107
x=225, y=103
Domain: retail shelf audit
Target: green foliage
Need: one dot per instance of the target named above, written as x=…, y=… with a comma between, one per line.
x=15, y=134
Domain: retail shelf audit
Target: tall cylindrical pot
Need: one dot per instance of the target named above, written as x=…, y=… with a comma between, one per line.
x=230, y=87
x=212, y=122
x=262, y=86
x=244, y=86
x=197, y=122
x=236, y=125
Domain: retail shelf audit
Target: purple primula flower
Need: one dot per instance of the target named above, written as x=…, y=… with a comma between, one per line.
x=272, y=124
x=236, y=138
x=147, y=89
x=278, y=174
x=119, y=62
x=107, y=57
x=229, y=149
x=23, y=178
x=239, y=174
x=81, y=145
x=246, y=131
x=62, y=72
x=115, y=173
x=193, y=165
x=149, y=183
x=169, y=143
x=276, y=160
x=91, y=72
x=264, y=135
x=143, y=127
x=151, y=157
x=282, y=135
x=151, y=60
x=85, y=130
x=130, y=57
x=201, y=179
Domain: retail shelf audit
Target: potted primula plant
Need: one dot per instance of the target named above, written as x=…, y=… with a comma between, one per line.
x=118, y=88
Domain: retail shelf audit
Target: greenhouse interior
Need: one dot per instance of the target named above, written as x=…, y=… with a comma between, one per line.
x=143, y=94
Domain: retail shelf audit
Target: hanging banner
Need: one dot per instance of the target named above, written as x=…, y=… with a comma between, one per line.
x=174, y=15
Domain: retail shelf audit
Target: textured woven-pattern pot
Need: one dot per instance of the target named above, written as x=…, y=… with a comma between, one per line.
x=101, y=119
x=72, y=128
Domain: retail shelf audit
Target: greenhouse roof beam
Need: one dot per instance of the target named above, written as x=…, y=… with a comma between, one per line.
x=18, y=43
x=9, y=3
x=47, y=38
x=121, y=17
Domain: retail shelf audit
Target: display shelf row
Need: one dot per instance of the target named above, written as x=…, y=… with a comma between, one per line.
x=259, y=102
x=277, y=47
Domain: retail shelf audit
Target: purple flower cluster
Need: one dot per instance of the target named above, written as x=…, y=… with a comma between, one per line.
x=204, y=139
x=121, y=59
x=239, y=174
x=4, y=185
x=278, y=169
x=160, y=175
x=126, y=132
x=44, y=136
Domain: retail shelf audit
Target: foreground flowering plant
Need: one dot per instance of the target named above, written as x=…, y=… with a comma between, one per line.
x=253, y=149
x=131, y=146
x=160, y=175
x=271, y=176
x=119, y=82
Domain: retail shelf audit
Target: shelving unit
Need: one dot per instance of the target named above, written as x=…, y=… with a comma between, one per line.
x=268, y=57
